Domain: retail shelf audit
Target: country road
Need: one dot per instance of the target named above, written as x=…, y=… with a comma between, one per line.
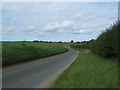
x=36, y=74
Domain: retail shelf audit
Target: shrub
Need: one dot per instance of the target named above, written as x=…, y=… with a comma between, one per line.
x=106, y=44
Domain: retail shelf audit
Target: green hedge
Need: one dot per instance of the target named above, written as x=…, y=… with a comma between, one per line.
x=82, y=46
x=107, y=43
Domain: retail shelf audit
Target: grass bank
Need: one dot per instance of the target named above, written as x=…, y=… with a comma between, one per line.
x=89, y=71
x=17, y=52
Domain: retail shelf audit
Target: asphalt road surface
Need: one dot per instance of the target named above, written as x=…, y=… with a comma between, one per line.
x=35, y=73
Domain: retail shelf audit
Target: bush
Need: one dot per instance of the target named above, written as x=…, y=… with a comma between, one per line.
x=82, y=46
x=106, y=44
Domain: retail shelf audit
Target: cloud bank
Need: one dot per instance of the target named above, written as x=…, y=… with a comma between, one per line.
x=56, y=20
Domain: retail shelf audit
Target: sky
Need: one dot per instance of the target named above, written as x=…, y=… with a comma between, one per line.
x=56, y=21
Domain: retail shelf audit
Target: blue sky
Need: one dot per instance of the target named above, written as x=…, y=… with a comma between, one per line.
x=55, y=21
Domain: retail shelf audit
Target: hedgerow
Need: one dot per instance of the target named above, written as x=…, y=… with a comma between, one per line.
x=107, y=43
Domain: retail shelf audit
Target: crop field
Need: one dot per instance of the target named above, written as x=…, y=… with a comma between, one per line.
x=17, y=52
x=89, y=71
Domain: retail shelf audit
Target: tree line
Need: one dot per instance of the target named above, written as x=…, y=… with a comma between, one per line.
x=106, y=44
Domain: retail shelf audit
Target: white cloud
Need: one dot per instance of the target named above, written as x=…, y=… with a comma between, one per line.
x=77, y=15
x=30, y=28
x=81, y=26
x=52, y=27
x=79, y=31
x=39, y=33
x=81, y=16
x=67, y=24
x=82, y=31
x=8, y=29
x=59, y=27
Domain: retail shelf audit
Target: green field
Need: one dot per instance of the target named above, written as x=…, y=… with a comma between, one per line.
x=15, y=52
x=89, y=71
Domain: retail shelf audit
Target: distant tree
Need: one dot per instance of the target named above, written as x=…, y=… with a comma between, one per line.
x=91, y=40
x=72, y=41
x=35, y=41
x=60, y=41
x=84, y=41
x=41, y=41
x=45, y=41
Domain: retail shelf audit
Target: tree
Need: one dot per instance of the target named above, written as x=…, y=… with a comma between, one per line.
x=35, y=41
x=60, y=41
x=72, y=41
x=91, y=40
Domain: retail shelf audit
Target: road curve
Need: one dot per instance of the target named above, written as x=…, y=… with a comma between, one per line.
x=34, y=74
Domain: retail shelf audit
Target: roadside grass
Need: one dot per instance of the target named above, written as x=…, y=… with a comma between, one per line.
x=15, y=52
x=89, y=71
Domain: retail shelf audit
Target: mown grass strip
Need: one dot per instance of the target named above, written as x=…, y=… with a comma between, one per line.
x=89, y=71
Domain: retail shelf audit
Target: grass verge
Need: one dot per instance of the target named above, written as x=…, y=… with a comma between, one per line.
x=89, y=71
x=17, y=52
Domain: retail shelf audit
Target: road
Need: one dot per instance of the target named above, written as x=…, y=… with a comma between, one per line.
x=36, y=73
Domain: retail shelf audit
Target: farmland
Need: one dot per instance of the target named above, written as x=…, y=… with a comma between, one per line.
x=17, y=52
